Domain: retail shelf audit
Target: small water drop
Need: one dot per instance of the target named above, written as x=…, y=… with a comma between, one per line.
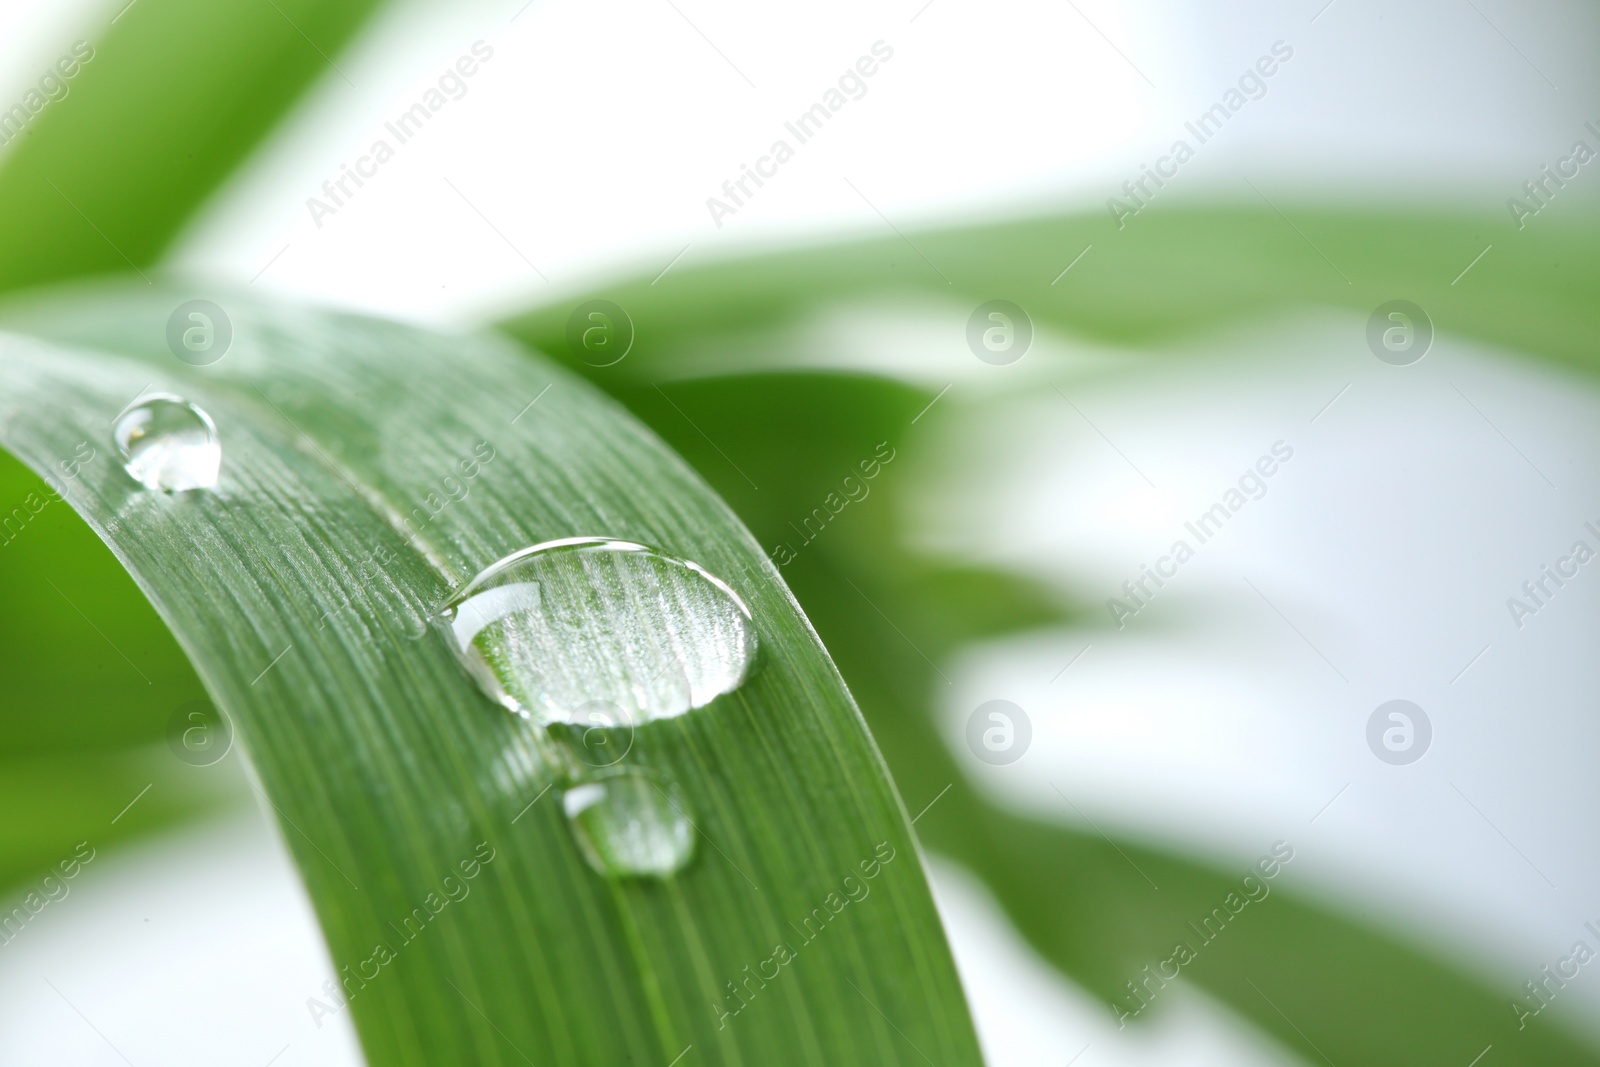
x=630, y=825
x=570, y=625
x=169, y=444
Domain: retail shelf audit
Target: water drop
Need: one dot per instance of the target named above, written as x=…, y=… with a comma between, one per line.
x=566, y=626
x=630, y=825
x=169, y=444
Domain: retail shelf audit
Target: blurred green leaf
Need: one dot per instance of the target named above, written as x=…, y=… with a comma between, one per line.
x=1339, y=990
x=89, y=664
x=174, y=95
x=92, y=679
x=1167, y=275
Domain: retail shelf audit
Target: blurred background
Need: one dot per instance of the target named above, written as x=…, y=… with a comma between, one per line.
x=1232, y=713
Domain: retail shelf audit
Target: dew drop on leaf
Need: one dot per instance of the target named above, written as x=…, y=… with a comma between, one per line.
x=629, y=824
x=558, y=629
x=168, y=444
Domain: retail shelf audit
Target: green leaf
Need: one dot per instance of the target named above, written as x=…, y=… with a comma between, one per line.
x=173, y=95
x=1168, y=274
x=301, y=589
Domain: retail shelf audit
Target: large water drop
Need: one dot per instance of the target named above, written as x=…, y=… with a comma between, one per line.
x=630, y=825
x=168, y=444
x=587, y=622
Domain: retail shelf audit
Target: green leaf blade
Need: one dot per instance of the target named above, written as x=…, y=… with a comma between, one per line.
x=1167, y=275
x=387, y=768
